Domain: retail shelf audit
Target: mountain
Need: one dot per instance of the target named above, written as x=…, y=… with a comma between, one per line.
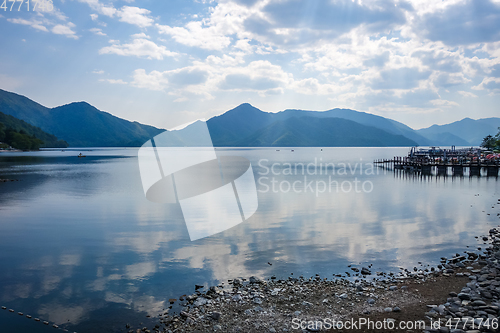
x=363, y=118
x=240, y=122
x=446, y=139
x=469, y=130
x=229, y=128
x=10, y=122
x=80, y=124
x=318, y=132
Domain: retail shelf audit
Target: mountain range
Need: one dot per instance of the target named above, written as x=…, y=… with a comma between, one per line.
x=82, y=125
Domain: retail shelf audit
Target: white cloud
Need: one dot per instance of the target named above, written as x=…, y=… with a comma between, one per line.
x=467, y=94
x=107, y=10
x=98, y=71
x=32, y=23
x=97, y=31
x=153, y=81
x=196, y=35
x=61, y=29
x=135, y=15
x=140, y=35
x=489, y=83
x=94, y=17
x=113, y=81
x=139, y=47
x=443, y=102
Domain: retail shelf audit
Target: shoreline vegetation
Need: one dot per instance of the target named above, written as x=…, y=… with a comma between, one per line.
x=19, y=134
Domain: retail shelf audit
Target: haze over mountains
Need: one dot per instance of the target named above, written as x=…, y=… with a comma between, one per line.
x=82, y=125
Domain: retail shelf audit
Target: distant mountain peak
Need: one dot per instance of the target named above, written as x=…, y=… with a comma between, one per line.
x=80, y=104
x=245, y=107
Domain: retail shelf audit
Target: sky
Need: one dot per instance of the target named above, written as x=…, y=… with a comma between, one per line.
x=167, y=63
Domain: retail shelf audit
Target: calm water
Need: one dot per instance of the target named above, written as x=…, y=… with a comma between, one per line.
x=81, y=246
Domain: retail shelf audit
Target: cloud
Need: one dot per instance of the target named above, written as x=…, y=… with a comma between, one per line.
x=297, y=22
x=106, y=10
x=402, y=78
x=466, y=22
x=94, y=17
x=98, y=71
x=377, y=60
x=97, y=31
x=194, y=34
x=188, y=76
x=489, y=83
x=113, y=81
x=140, y=35
x=174, y=79
x=248, y=3
x=247, y=82
x=495, y=71
x=467, y=94
x=443, y=102
x=135, y=15
x=61, y=29
x=32, y=23
x=153, y=81
x=441, y=60
x=140, y=47
x=334, y=16
x=447, y=80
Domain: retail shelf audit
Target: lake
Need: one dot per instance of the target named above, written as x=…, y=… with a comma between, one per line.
x=82, y=247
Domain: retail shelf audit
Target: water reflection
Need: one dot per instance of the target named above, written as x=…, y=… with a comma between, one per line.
x=81, y=246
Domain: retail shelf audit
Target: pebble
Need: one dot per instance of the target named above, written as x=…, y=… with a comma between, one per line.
x=254, y=279
x=464, y=296
x=257, y=300
x=200, y=301
x=215, y=315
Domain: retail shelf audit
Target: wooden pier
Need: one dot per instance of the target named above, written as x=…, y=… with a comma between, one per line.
x=434, y=161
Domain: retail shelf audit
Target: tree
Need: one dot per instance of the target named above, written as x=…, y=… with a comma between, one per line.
x=489, y=142
x=492, y=142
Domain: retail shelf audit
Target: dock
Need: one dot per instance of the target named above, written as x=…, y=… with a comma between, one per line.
x=437, y=161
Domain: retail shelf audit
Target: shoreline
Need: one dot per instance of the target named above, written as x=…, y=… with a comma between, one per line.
x=462, y=294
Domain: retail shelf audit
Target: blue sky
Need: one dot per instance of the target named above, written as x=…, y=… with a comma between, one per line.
x=166, y=63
